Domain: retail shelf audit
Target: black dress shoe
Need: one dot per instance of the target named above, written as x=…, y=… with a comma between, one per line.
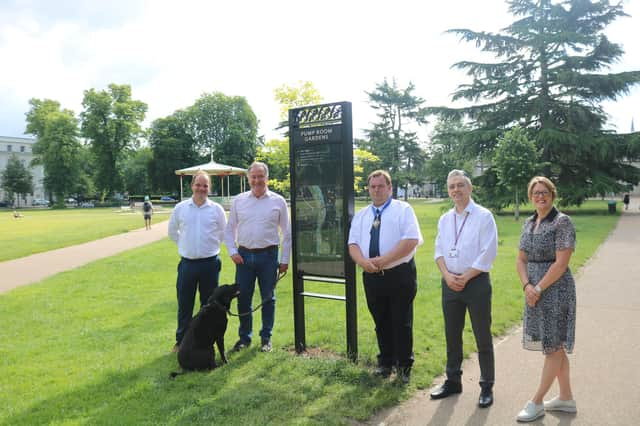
x=486, y=398
x=404, y=375
x=448, y=388
x=382, y=371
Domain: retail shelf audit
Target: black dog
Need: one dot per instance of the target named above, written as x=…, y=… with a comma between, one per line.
x=208, y=326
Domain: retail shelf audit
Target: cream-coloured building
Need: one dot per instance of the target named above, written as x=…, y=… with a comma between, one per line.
x=22, y=148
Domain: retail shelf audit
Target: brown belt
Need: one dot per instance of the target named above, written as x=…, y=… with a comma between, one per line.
x=257, y=250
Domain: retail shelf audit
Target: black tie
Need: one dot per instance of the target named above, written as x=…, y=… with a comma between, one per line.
x=374, y=244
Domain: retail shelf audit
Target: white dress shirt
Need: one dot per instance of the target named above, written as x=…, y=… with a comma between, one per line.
x=477, y=242
x=397, y=222
x=198, y=230
x=257, y=223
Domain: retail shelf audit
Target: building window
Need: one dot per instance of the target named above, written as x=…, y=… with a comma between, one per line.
x=9, y=148
x=22, y=148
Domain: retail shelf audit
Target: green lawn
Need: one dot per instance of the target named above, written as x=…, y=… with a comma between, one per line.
x=91, y=346
x=44, y=229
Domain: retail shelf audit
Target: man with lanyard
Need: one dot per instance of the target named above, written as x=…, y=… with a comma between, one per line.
x=197, y=226
x=466, y=246
x=383, y=239
x=256, y=220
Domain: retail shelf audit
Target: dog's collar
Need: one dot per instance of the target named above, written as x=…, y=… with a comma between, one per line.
x=220, y=305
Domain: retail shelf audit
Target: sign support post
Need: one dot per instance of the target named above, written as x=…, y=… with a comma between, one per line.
x=322, y=206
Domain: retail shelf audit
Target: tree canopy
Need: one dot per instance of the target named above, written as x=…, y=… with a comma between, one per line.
x=224, y=128
x=550, y=79
x=173, y=148
x=57, y=146
x=294, y=96
x=393, y=138
x=16, y=179
x=516, y=162
x=111, y=121
x=446, y=151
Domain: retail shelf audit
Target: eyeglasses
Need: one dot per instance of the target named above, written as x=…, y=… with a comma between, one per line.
x=541, y=193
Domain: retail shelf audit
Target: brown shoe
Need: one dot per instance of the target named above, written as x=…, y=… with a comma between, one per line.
x=175, y=348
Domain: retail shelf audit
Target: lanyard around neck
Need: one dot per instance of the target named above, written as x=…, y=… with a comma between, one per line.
x=377, y=212
x=455, y=227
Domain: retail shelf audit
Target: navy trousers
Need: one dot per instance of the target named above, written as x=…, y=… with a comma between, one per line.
x=194, y=274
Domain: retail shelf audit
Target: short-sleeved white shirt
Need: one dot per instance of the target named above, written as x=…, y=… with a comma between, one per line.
x=398, y=222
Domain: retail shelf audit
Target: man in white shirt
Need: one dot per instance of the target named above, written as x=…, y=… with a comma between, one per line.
x=382, y=240
x=252, y=236
x=197, y=226
x=466, y=246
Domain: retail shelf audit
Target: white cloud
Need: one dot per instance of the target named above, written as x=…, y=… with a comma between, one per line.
x=172, y=52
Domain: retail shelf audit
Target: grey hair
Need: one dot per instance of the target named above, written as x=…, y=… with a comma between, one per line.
x=259, y=164
x=459, y=173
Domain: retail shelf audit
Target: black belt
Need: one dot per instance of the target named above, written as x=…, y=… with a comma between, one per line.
x=382, y=271
x=201, y=259
x=541, y=261
x=257, y=250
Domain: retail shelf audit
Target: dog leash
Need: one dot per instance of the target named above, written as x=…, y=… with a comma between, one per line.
x=267, y=300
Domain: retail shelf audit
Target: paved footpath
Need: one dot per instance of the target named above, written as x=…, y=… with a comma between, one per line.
x=605, y=364
x=29, y=269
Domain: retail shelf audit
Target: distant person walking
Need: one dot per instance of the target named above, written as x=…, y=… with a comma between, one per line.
x=147, y=212
x=258, y=219
x=197, y=226
x=626, y=200
x=547, y=242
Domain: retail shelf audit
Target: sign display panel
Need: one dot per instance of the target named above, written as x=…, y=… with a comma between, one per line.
x=318, y=197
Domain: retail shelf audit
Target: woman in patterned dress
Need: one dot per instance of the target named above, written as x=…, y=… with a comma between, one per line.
x=546, y=244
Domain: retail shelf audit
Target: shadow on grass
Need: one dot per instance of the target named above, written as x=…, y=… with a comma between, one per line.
x=245, y=391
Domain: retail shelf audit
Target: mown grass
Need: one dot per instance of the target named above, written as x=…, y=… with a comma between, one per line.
x=91, y=346
x=41, y=230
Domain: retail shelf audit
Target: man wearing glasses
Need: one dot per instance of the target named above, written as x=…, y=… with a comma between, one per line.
x=466, y=246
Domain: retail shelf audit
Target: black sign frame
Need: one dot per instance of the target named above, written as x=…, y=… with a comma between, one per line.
x=321, y=171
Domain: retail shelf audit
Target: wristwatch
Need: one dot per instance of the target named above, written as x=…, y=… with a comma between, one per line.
x=538, y=289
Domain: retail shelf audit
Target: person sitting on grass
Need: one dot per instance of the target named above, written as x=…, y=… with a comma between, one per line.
x=16, y=214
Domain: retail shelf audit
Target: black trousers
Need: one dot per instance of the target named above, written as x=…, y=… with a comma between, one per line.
x=476, y=297
x=390, y=301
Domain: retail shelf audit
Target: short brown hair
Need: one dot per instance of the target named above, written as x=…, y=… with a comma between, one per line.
x=201, y=173
x=544, y=181
x=377, y=173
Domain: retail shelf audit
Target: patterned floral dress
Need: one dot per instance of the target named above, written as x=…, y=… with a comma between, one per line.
x=549, y=325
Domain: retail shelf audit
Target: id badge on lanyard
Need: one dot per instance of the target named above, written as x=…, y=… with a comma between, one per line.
x=453, y=253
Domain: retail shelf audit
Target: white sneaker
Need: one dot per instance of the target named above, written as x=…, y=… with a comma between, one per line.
x=557, y=404
x=530, y=412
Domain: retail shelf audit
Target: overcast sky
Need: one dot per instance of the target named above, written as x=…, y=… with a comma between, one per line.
x=171, y=52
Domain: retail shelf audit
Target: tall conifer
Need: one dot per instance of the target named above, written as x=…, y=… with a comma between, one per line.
x=551, y=78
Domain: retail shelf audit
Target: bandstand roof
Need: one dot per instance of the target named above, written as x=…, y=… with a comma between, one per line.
x=212, y=168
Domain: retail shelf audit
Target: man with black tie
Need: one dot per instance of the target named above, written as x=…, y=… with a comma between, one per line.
x=383, y=239
x=466, y=246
